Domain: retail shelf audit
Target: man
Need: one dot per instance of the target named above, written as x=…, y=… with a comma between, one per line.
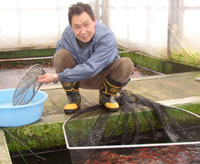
x=87, y=57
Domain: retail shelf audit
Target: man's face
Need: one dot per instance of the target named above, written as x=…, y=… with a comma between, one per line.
x=83, y=27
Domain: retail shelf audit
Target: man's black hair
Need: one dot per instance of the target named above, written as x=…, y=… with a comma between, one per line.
x=78, y=9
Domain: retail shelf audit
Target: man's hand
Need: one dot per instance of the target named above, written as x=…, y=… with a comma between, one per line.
x=47, y=78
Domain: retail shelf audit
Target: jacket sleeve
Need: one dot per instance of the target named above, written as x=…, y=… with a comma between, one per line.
x=58, y=46
x=104, y=54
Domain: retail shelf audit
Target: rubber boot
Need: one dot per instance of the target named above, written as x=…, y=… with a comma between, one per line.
x=74, y=98
x=106, y=97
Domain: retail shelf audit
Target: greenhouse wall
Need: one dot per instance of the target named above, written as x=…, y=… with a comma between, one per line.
x=32, y=24
x=166, y=29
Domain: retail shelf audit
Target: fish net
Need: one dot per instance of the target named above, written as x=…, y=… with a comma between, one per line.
x=28, y=85
x=140, y=122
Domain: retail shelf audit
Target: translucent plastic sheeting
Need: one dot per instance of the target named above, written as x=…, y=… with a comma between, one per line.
x=154, y=27
x=37, y=24
x=157, y=28
x=139, y=123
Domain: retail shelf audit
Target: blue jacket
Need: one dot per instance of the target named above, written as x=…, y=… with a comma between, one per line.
x=97, y=54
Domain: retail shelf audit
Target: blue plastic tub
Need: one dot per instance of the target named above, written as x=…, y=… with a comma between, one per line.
x=12, y=116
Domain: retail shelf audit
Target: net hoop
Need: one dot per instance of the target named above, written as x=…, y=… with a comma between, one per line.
x=18, y=101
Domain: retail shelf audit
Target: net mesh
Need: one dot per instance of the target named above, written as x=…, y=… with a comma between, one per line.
x=139, y=121
x=28, y=85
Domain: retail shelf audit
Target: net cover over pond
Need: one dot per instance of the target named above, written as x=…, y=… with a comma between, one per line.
x=139, y=123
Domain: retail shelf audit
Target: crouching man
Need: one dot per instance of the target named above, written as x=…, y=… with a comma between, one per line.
x=87, y=57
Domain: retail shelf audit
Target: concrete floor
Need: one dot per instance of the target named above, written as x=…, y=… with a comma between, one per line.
x=11, y=77
x=157, y=88
x=179, y=88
